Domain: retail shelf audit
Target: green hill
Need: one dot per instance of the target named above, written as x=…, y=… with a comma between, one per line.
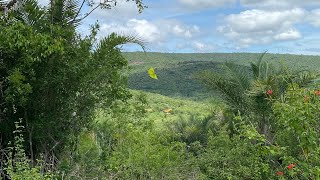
x=176, y=70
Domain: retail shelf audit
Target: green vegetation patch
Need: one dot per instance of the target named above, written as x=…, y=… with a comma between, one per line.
x=162, y=109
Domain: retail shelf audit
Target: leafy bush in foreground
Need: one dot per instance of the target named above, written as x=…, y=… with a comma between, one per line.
x=18, y=166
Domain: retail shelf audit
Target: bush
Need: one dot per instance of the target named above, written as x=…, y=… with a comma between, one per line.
x=18, y=166
x=235, y=158
x=298, y=131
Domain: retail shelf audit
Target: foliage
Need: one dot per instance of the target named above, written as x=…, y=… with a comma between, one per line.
x=248, y=92
x=233, y=85
x=293, y=153
x=235, y=158
x=18, y=166
x=125, y=145
x=176, y=70
x=193, y=129
x=53, y=78
x=298, y=130
x=174, y=80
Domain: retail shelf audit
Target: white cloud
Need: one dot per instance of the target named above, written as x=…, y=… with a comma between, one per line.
x=198, y=4
x=156, y=32
x=268, y=4
x=280, y=3
x=260, y=20
x=202, y=47
x=261, y=26
x=291, y=34
x=142, y=28
x=185, y=31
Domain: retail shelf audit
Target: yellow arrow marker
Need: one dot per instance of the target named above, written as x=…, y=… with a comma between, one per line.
x=152, y=74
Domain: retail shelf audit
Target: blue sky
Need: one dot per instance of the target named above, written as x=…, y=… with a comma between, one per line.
x=279, y=26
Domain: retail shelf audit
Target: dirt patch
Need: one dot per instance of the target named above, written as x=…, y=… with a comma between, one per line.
x=136, y=63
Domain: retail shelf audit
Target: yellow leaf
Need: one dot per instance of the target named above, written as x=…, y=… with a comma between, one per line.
x=152, y=74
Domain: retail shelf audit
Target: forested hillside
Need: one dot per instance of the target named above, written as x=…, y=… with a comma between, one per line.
x=177, y=72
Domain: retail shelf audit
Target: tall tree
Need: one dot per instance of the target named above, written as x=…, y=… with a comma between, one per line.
x=51, y=78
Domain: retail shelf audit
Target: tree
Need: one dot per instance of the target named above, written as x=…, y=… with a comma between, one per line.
x=53, y=79
x=248, y=90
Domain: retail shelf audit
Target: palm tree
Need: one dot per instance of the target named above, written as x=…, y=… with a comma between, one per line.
x=67, y=11
x=244, y=89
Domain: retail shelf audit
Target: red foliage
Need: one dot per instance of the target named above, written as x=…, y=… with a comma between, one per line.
x=290, y=166
x=269, y=92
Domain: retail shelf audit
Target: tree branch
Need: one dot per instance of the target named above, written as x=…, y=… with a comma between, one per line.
x=83, y=1
x=86, y=14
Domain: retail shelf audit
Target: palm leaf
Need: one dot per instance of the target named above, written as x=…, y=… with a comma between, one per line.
x=62, y=12
x=239, y=74
x=257, y=66
x=229, y=87
x=116, y=39
x=29, y=12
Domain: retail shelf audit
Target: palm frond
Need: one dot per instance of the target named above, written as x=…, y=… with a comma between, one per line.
x=229, y=88
x=257, y=66
x=305, y=77
x=71, y=9
x=114, y=40
x=62, y=12
x=29, y=13
x=238, y=74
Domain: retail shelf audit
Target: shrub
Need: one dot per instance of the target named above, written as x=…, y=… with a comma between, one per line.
x=18, y=166
x=235, y=158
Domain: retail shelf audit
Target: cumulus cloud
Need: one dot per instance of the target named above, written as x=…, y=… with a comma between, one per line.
x=280, y=3
x=152, y=32
x=261, y=26
x=185, y=31
x=203, y=47
x=142, y=28
x=197, y=4
x=291, y=34
x=269, y=4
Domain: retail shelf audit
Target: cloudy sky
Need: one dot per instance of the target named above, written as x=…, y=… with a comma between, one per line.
x=279, y=26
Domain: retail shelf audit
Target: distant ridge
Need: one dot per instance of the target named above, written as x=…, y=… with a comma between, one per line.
x=176, y=70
